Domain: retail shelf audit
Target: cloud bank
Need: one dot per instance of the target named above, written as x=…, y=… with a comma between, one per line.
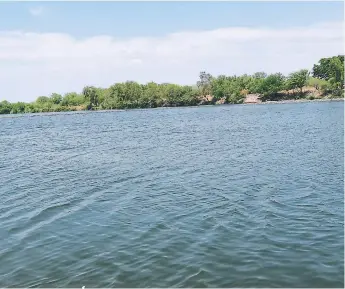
x=34, y=64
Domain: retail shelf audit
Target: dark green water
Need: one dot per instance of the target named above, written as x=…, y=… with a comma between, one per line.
x=227, y=196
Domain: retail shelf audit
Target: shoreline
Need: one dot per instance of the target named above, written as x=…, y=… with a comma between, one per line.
x=299, y=100
x=52, y=113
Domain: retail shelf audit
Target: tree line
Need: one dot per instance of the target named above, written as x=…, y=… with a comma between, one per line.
x=326, y=78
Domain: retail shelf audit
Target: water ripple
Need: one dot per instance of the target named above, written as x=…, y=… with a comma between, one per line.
x=231, y=196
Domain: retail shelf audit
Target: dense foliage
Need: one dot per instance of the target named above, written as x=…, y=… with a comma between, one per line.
x=326, y=79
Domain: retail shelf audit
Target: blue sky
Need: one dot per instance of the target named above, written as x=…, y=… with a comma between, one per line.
x=62, y=46
x=127, y=19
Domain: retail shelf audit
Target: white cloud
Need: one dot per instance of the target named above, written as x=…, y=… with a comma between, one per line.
x=36, y=11
x=33, y=64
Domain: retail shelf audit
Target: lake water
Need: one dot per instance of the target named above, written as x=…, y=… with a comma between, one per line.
x=225, y=196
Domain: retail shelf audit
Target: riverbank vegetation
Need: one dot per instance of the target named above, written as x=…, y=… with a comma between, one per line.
x=325, y=80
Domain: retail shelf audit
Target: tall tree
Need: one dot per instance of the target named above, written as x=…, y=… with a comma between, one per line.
x=204, y=83
x=90, y=93
x=5, y=107
x=331, y=69
x=42, y=99
x=270, y=86
x=298, y=79
x=56, y=98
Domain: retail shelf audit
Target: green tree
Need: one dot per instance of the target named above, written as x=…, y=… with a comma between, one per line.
x=101, y=94
x=271, y=85
x=118, y=95
x=56, y=98
x=5, y=107
x=332, y=70
x=204, y=83
x=43, y=104
x=31, y=108
x=318, y=84
x=90, y=93
x=257, y=81
x=298, y=79
x=232, y=88
x=18, y=107
x=328, y=77
x=332, y=67
x=151, y=95
x=43, y=100
x=259, y=75
x=132, y=94
x=73, y=99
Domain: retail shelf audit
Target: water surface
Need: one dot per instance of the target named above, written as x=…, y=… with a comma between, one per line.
x=225, y=196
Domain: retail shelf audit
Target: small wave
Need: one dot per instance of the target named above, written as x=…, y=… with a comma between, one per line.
x=46, y=220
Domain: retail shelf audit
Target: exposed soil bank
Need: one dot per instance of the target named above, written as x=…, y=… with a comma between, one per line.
x=302, y=100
